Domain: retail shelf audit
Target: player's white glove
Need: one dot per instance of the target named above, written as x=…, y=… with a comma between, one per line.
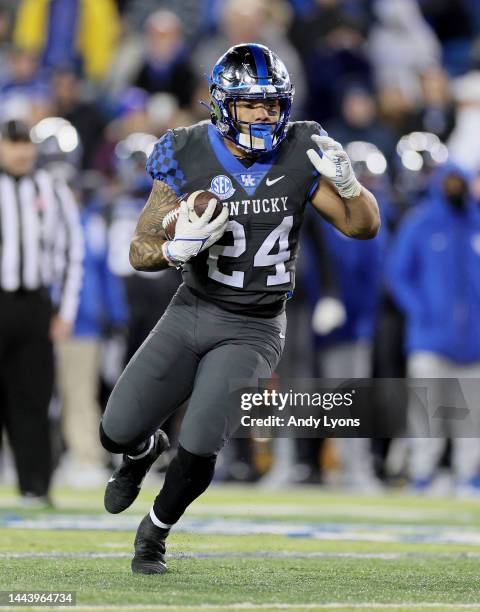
x=329, y=314
x=332, y=161
x=194, y=234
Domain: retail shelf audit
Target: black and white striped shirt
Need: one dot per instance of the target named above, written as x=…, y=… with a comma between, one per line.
x=41, y=241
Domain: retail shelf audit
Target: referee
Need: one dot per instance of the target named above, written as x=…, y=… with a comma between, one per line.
x=41, y=251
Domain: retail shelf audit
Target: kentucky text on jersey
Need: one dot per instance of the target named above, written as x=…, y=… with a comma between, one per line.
x=251, y=269
x=266, y=205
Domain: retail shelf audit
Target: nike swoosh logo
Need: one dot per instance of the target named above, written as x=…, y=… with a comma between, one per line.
x=111, y=479
x=269, y=182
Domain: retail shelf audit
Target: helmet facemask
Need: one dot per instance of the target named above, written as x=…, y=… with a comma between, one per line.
x=253, y=137
x=233, y=80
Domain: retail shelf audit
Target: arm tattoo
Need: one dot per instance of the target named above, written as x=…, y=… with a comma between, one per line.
x=146, y=246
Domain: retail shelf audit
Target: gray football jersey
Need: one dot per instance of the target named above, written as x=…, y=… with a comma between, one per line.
x=251, y=269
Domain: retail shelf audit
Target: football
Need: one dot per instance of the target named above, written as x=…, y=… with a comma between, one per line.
x=200, y=201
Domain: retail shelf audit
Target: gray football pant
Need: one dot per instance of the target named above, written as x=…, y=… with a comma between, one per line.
x=196, y=350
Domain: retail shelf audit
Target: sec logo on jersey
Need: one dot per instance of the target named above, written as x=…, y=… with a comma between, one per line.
x=222, y=187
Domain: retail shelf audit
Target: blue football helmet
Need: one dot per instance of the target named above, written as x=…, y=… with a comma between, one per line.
x=250, y=72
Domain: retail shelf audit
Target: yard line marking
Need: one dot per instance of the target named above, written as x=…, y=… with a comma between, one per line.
x=242, y=555
x=369, y=511
x=365, y=510
x=275, y=606
x=359, y=532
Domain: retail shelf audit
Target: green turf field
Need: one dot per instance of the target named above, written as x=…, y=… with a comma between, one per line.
x=241, y=548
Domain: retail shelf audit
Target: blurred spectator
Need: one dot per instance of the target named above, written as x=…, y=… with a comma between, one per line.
x=298, y=461
x=373, y=169
x=433, y=273
x=476, y=187
x=41, y=248
x=401, y=47
x=102, y=309
x=166, y=67
x=195, y=15
x=9, y=5
x=155, y=53
x=130, y=116
x=68, y=101
x=6, y=20
x=257, y=21
x=357, y=272
x=331, y=43
x=345, y=345
x=396, y=110
x=454, y=24
x=463, y=147
x=148, y=293
x=359, y=122
x=437, y=111
x=419, y=154
x=360, y=10
x=123, y=5
x=24, y=90
x=347, y=350
x=164, y=113
x=69, y=32
x=136, y=112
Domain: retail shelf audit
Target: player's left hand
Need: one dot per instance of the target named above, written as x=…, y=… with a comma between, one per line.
x=332, y=161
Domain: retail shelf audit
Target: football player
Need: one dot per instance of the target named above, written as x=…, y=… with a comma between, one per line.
x=227, y=319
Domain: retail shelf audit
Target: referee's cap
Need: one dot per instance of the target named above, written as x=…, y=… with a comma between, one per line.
x=15, y=130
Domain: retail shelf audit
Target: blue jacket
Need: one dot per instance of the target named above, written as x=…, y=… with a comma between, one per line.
x=433, y=271
x=355, y=266
x=102, y=300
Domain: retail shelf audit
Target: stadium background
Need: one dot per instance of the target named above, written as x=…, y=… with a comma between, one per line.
x=397, y=82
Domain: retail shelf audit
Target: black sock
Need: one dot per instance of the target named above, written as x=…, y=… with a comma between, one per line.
x=187, y=477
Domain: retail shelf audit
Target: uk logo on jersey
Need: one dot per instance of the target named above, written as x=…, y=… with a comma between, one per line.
x=248, y=180
x=222, y=187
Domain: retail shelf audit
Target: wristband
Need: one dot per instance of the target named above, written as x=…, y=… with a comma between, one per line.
x=172, y=262
x=349, y=190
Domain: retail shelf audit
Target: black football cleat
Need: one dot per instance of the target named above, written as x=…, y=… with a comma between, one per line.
x=149, y=557
x=126, y=481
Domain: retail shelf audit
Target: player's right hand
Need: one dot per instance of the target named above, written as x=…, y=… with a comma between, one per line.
x=194, y=234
